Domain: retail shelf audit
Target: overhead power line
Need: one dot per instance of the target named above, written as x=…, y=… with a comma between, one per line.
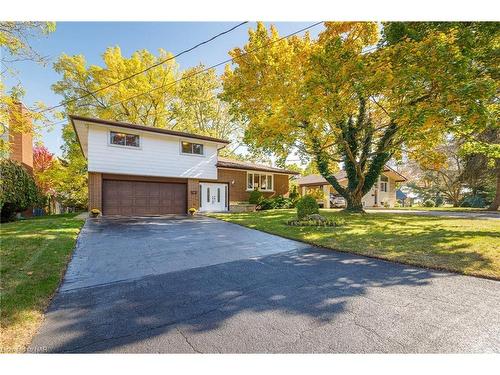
x=215, y=65
x=145, y=70
x=207, y=69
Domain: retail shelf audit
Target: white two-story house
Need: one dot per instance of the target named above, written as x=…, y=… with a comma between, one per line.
x=141, y=170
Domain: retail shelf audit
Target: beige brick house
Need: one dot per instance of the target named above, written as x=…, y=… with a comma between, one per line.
x=383, y=192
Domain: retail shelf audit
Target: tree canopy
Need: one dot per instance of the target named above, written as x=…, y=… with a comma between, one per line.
x=15, y=46
x=351, y=97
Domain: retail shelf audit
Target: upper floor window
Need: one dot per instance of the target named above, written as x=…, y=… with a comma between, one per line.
x=259, y=181
x=123, y=139
x=191, y=148
x=384, y=181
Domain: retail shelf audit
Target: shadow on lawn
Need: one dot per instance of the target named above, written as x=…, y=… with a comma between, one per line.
x=316, y=284
x=418, y=240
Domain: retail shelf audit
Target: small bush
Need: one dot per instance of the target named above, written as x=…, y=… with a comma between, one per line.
x=275, y=203
x=18, y=190
x=307, y=205
x=280, y=201
x=475, y=201
x=266, y=204
x=255, y=197
x=294, y=193
x=428, y=203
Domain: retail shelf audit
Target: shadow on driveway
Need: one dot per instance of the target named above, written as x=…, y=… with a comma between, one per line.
x=306, y=300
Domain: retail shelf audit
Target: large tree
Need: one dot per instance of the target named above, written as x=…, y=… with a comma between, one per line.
x=444, y=168
x=163, y=97
x=15, y=46
x=340, y=98
x=479, y=44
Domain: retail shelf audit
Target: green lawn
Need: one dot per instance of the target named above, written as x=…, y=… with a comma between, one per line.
x=468, y=246
x=441, y=208
x=33, y=256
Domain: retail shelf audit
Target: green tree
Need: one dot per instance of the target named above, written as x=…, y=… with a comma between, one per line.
x=340, y=99
x=15, y=46
x=162, y=97
x=199, y=110
x=479, y=44
x=18, y=190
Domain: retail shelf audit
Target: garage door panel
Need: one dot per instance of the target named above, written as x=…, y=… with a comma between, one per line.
x=143, y=198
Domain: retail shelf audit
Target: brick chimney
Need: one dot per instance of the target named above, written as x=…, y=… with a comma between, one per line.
x=21, y=136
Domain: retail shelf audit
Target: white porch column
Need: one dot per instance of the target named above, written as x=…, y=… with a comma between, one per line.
x=303, y=190
x=326, y=191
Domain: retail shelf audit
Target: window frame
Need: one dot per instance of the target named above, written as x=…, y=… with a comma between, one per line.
x=260, y=174
x=192, y=148
x=384, y=184
x=130, y=147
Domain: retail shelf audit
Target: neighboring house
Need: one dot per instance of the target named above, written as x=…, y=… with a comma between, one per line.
x=403, y=199
x=141, y=170
x=20, y=143
x=383, y=192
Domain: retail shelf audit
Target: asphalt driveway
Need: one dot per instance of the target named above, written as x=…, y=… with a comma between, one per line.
x=206, y=286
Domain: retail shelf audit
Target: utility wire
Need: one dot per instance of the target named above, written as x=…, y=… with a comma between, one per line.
x=145, y=70
x=203, y=71
x=214, y=66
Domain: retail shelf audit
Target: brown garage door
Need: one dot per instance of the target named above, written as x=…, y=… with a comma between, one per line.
x=143, y=198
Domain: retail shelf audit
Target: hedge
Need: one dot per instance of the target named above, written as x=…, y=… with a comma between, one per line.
x=18, y=190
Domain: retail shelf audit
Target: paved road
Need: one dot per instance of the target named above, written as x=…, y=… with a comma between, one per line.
x=269, y=295
x=461, y=214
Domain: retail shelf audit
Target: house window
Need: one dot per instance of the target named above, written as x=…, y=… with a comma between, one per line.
x=384, y=181
x=123, y=139
x=259, y=181
x=191, y=148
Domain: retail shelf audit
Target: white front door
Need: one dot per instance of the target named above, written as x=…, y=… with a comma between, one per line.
x=213, y=197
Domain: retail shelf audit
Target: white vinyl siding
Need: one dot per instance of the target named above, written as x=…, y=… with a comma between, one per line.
x=158, y=155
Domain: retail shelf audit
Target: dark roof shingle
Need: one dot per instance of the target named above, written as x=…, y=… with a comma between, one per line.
x=238, y=164
x=151, y=129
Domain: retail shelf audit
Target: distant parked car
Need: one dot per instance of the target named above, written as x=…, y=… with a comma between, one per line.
x=337, y=201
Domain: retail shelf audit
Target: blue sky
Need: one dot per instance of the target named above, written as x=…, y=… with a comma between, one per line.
x=92, y=38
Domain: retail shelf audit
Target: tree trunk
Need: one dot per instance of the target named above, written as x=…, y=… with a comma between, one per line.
x=354, y=204
x=496, y=202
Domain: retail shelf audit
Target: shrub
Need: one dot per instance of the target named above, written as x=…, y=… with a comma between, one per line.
x=294, y=193
x=428, y=203
x=280, y=201
x=18, y=190
x=255, y=197
x=274, y=203
x=475, y=201
x=307, y=205
x=266, y=204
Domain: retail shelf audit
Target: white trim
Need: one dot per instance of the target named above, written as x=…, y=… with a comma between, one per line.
x=260, y=187
x=219, y=204
x=124, y=146
x=257, y=171
x=191, y=154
